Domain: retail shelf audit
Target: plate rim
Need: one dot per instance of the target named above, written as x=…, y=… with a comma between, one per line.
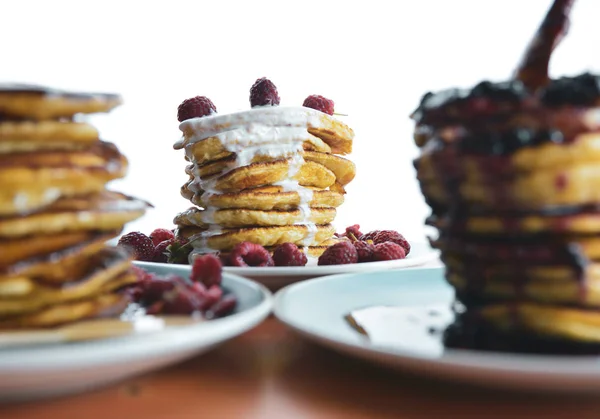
x=56, y=357
x=467, y=360
x=318, y=271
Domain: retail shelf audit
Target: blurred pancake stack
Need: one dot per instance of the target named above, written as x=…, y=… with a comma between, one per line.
x=55, y=211
x=268, y=175
x=512, y=174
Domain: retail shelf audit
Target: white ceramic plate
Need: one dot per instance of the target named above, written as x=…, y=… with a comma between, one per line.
x=317, y=308
x=275, y=277
x=54, y=370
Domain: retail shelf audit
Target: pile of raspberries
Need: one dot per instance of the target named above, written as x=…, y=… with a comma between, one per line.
x=353, y=247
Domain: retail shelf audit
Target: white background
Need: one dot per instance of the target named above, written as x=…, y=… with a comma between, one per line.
x=373, y=58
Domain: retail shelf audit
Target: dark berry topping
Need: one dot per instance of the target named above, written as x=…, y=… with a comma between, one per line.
x=263, y=93
x=195, y=107
x=582, y=90
x=507, y=142
x=485, y=98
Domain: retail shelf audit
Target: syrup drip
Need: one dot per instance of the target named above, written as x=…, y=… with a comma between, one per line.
x=533, y=69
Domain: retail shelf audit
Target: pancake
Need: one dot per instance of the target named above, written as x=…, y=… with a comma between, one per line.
x=212, y=148
x=104, y=272
x=268, y=173
x=233, y=218
x=337, y=135
x=106, y=305
x=27, y=136
x=59, y=265
x=567, y=221
x=568, y=323
x=105, y=211
x=43, y=103
x=30, y=181
x=267, y=201
x=265, y=236
x=521, y=286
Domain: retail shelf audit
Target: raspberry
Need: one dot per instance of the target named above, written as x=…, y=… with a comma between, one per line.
x=341, y=253
x=207, y=269
x=160, y=235
x=195, y=107
x=161, y=253
x=364, y=250
x=382, y=236
x=250, y=254
x=179, y=251
x=139, y=245
x=319, y=103
x=263, y=92
x=223, y=307
x=388, y=251
x=352, y=232
x=288, y=254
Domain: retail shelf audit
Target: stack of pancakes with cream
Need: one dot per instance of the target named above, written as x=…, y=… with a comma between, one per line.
x=513, y=181
x=55, y=212
x=268, y=175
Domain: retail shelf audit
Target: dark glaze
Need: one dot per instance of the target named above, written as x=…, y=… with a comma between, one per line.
x=32, y=89
x=533, y=69
x=582, y=90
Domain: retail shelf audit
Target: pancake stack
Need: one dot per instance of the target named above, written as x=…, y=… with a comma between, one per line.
x=268, y=175
x=55, y=212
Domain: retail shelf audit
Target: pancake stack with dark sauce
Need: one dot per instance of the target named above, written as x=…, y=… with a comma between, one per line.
x=512, y=174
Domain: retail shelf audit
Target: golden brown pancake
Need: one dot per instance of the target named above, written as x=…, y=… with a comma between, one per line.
x=105, y=305
x=233, y=218
x=27, y=136
x=275, y=200
x=59, y=265
x=265, y=236
x=106, y=211
x=42, y=103
x=103, y=273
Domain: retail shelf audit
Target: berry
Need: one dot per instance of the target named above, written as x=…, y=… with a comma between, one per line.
x=288, y=254
x=353, y=232
x=341, y=253
x=319, y=103
x=207, y=269
x=364, y=250
x=263, y=92
x=139, y=245
x=179, y=251
x=382, y=236
x=160, y=235
x=250, y=254
x=388, y=251
x=224, y=306
x=161, y=254
x=195, y=107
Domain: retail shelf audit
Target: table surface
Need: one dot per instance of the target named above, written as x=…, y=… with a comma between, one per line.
x=270, y=372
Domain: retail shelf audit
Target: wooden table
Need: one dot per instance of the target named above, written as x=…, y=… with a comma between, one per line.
x=270, y=372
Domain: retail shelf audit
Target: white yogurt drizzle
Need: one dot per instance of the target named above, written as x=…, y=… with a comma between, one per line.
x=272, y=131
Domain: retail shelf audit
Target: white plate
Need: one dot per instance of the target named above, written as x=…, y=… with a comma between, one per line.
x=55, y=370
x=275, y=277
x=317, y=308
